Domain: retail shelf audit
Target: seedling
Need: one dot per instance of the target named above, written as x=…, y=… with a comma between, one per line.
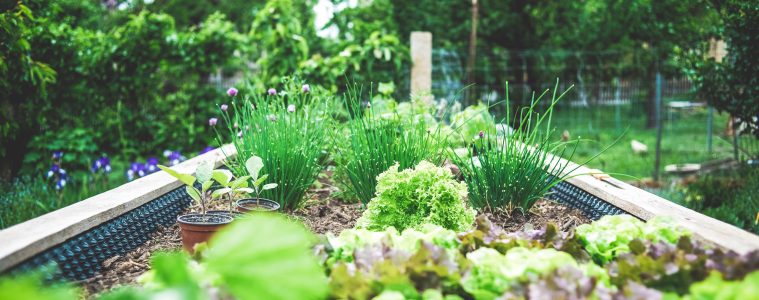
x=202, y=175
x=254, y=165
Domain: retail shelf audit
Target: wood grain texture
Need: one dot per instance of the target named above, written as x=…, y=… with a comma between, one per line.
x=27, y=239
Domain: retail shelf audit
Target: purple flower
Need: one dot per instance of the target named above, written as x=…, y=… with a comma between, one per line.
x=57, y=154
x=224, y=107
x=207, y=149
x=102, y=164
x=272, y=91
x=306, y=88
x=151, y=165
x=232, y=92
x=291, y=108
x=482, y=134
x=175, y=157
x=235, y=125
x=60, y=184
x=212, y=121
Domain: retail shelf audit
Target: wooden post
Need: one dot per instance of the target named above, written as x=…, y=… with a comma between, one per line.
x=421, y=63
x=657, y=113
x=472, y=58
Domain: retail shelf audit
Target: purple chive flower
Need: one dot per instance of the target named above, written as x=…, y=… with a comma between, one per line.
x=272, y=92
x=235, y=125
x=482, y=134
x=306, y=88
x=207, y=149
x=291, y=108
x=212, y=121
x=224, y=107
x=232, y=92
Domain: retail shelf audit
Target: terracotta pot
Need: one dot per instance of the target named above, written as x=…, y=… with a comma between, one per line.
x=255, y=204
x=199, y=228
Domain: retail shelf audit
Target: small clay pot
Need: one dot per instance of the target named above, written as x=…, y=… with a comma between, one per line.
x=256, y=204
x=199, y=228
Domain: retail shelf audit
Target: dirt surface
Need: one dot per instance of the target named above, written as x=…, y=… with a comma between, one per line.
x=329, y=215
x=121, y=270
x=543, y=212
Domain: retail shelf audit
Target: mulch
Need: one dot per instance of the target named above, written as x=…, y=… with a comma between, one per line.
x=321, y=213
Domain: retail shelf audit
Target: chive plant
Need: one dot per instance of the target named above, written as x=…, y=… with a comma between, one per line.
x=288, y=138
x=516, y=170
x=375, y=143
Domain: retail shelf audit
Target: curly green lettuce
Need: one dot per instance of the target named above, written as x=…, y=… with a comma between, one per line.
x=611, y=235
x=412, y=197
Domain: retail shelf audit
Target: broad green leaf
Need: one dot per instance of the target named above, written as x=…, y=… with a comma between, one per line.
x=184, y=178
x=269, y=186
x=223, y=177
x=220, y=192
x=261, y=180
x=193, y=192
x=245, y=190
x=277, y=265
x=206, y=185
x=254, y=165
x=240, y=182
x=204, y=171
x=31, y=286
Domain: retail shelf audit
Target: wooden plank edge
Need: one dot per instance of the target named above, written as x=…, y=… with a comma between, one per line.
x=25, y=240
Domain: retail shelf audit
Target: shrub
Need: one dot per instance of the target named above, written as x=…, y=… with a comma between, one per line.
x=289, y=141
x=409, y=198
x=374, y=143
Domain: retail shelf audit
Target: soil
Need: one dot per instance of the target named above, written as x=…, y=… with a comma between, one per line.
x=542, y=213
x=207, y=219
x=125, y=269
x=322, y=212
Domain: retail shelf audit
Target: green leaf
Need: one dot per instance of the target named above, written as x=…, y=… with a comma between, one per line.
x=254, y=166
x=206, y=185
x=277, y=265
x=184, y=178
x=261, y=180
x=269, y=186
x=204, y=171
x=245, y=190
x=240, y=182
x=220, y=192
x=223, y=177
x=194, y=193
x=30, y=286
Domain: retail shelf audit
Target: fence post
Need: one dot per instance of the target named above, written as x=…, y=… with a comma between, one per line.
x=657, y=115
x=421, y=63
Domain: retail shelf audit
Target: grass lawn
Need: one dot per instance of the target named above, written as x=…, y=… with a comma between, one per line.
x=684, y=138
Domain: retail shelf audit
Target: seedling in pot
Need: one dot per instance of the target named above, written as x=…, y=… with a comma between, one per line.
x=198, y=228
x=254, y=165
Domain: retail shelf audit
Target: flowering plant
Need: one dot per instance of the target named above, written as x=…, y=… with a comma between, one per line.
x=56, y=174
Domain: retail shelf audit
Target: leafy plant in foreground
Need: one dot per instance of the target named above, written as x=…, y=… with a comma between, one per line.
x=376, y=143
x=517, y=170
x=412, y=197
x=234, y=187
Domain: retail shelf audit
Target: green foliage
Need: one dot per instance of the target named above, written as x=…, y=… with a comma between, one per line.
x=729, y=85
x=412, y=197
x=30, y=286
x=471, y=121
x=714, y=287
x=290, y=144
x=377, y=140
x=516, y=170
x=611, y=235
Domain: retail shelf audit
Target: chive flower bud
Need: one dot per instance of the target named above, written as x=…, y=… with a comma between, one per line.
x=272, y=92
x=291, y=108
x=232, y=92
x=306, y=88
x=224, y=107
x=212, y=121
